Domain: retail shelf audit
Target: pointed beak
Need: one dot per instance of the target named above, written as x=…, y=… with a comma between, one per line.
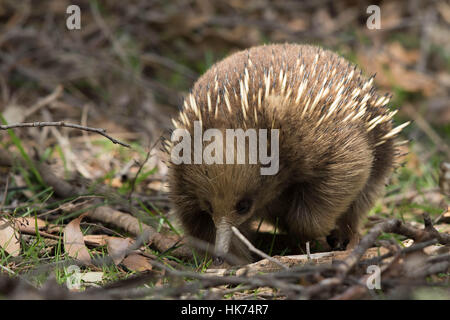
x=223, y=240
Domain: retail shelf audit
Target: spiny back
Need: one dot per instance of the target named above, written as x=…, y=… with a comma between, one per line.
x=308, y=83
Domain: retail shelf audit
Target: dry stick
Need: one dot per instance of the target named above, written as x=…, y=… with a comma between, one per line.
x=353, y=292
x=212, y=281
x=64, y=142
x=71, y=205
x=393, y=226
x=41, y=234
x=425, y=234
x=204, y=281
x=388, y=226
x=366, y=242
x=255, y=250
x=147, y=157
x=442, y=257
x=63, y=124
x=443, y=238
x=7, y=270
x=413, y=248
x=438, y=267
x=44, y=101
x=358, y=290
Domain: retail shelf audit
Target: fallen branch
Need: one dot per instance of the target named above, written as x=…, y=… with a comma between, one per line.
x=393, y=226
x=367, y=242
x=252, y=248
x=63, y=124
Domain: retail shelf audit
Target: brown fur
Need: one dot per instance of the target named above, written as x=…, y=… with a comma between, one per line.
x=330, y=173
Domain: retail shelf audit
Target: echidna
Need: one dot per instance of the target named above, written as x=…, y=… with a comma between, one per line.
x=336, y=147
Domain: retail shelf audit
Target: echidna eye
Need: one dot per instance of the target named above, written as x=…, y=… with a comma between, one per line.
x=243, y=206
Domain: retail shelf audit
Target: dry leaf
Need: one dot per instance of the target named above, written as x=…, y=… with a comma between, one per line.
x=74, y=242
x=117, y=248
x=9, y=238
x=136, y=262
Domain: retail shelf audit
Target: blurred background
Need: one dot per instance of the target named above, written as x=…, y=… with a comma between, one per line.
x=129, y=66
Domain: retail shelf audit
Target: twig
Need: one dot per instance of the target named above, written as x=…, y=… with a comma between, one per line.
x=443, y=238
x=63, y=124
x=64, y=142
x=40, y=232
x=394, y=226
x=255, y=250
x=413, y=248
x=44, y=101
x=366, y=242
x=209, y=280
x=7, y=270
x=147, y=156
